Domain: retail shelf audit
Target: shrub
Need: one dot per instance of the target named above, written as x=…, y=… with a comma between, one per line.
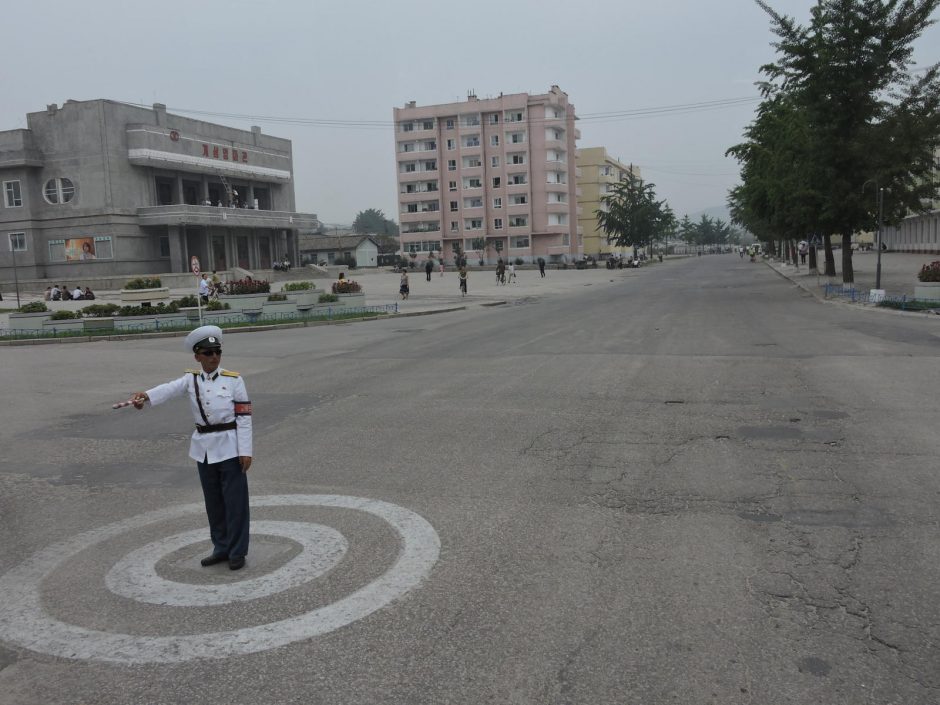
x=216, y=305
x=328, y=298
x=65, y=315
x=298, y=286
x=144, y=283
x=100, y=310
x=346, y=286
x=248, y=286
x=519, y=261
x=349, y=261
x=160, y=308
x=277, y=297
x=34, y=307
x=187, y=301
x=930, y=272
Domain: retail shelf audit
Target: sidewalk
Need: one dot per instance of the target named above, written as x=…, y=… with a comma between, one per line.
x=898, y=273
x=381, y=288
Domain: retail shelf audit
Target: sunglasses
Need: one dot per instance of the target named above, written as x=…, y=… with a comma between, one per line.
x=211, y=353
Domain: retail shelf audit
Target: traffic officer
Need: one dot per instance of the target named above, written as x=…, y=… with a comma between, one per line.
x=221, y=443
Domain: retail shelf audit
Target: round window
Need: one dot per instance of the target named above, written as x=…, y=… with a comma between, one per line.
x=59, y=190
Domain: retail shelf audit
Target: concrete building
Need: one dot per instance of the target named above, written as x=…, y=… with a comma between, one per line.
x=598, y=172
x=490, y=177
x=331, y=249
x=100, y=188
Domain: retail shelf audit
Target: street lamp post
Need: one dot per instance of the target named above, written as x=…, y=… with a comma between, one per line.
x=16, y=277
x=881, y=206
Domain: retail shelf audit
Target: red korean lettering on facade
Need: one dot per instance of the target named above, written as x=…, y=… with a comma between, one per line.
x=234, y=155
x=215, y=152
x=244, y=157
x=225, y=153
x=205, y=150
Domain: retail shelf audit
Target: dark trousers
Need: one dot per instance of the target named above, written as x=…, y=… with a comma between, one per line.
x=225, y=489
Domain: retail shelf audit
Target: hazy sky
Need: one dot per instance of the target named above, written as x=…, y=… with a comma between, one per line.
x=354, y=60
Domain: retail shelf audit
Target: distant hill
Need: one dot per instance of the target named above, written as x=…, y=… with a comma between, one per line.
x=712, y=212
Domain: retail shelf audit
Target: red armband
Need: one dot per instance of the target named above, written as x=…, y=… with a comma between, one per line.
x=243, y=408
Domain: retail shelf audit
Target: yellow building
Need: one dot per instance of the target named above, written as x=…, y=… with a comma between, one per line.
x=597, y=174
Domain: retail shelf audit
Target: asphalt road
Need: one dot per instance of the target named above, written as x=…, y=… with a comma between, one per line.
x=691, y=483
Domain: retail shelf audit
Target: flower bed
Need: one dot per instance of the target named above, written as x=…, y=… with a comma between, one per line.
x=346, y=286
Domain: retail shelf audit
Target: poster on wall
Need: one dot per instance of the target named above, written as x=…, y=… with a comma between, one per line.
x=78, y=249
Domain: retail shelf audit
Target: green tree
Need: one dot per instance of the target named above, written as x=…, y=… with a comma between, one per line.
x=631, y=216
x=373, y=221
x=868, y=118
x=387, y=244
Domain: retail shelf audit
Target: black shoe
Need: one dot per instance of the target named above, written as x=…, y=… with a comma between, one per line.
x=213, y=559
x=236, y=563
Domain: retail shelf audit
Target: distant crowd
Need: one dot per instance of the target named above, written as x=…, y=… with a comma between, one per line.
x=60, y=292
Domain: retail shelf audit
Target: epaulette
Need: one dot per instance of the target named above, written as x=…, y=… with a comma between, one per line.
x=193, y=372
x=229, y=373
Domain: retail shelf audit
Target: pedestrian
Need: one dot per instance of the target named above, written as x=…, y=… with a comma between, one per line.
x=441, y=266
x=48, y=294
x=511, y=268
x=428, y=268
x=462, y=279
x=220, y=445
x=403, y=287
x=541, y=267
x=56, y=293
x=804, y=249
x=500, y=271
x=204, y=288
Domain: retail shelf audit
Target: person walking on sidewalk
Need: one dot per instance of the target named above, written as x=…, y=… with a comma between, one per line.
x=403, y=287
x=541, y=267
x=428, y=268
x=220, y=445
x=462, y=279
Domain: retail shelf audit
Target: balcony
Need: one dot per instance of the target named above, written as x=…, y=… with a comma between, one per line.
x=556, y=208
x=556, y=188
x=225, y=217
x=408, y=176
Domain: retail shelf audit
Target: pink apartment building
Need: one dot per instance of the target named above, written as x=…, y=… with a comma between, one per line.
x=495, y=178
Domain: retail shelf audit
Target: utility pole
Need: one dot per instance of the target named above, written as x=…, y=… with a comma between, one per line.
x=881, y=206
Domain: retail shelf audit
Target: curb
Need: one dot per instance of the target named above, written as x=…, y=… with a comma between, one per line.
x=227, y=331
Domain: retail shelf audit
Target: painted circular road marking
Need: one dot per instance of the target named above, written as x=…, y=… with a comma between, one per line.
x=23, y=620
x=135, y=576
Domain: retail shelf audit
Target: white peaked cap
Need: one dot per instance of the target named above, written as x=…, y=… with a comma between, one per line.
x=204, y=336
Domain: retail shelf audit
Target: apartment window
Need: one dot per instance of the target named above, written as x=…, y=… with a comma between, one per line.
x=498, y=224
x=494, y=140
x=164, y=245
x=430, y=165
x=474, y=183
x=431, y=186
x=473, y=202
x=519, y=241
x=451, y=185
x=429, y=146
x=471, y=162
x=471, y=141
x=451, y=144
x=409, y=167
x=497, y=203
x=453, y=206
x=496, y=182
x=451, y=165
x=454, y=226
x=518, y=158
x=449, y=123
x=475, y=224
x=57, y=251
x=411, y=208
x=566, y=239
x=407, y=127
x=494, y=162
x=493, y=118
x=518, y=179
x=519, y=200
x=427, y=125
x=58, y=190
x=515, y=116
x=518, y=221
x=17, y=242
x=407, y=146
x=557, y=219
x=470, y=120
x=12, y=193
x=517, y=137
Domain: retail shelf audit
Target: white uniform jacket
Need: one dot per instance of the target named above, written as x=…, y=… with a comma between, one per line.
x=224, y=399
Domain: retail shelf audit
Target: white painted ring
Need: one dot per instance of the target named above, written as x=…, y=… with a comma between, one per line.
x=23, y=621
x=135, y=576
